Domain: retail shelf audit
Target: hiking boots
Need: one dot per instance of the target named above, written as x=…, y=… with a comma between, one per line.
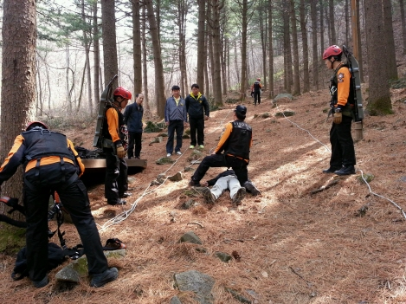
x=117, y=203
x=101, y=279
x=249, y=186
x=192, y=183
x=345, y=171
x=125, y=195
x=239, y=196
x=208, y=196
x=330, y=170
x=41, y=283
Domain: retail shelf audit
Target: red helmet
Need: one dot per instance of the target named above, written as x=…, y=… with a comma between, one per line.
x=33, y=124
x=259, y=79
x=333, y=50
x=120, y=91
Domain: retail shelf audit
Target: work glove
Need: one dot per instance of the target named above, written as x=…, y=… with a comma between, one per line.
x=338, y=117
x=120, y=151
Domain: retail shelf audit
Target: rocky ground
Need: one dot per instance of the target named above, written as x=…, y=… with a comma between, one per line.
x=308, y=238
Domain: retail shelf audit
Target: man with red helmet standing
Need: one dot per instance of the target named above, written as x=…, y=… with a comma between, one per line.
x=51, y=163
x=114, y=143
x=256, y=91
x=342, y=159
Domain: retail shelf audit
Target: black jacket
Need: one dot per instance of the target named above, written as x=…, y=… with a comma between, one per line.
x=196, y=105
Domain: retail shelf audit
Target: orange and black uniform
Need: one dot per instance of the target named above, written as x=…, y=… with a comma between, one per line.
x=342, y=96
x=116, y=183
x=235, y=143
x=51, y=163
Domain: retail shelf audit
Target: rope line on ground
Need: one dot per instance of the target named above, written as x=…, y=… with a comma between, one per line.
x=362, y=173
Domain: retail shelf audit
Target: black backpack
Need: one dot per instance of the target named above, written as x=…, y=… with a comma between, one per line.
x=56, y=256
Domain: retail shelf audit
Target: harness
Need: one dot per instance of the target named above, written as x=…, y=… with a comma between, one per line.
x=348, y=110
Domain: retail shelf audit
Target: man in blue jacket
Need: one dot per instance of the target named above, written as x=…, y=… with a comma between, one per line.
x=198, y=109
x=176, y=120
x=133, y=119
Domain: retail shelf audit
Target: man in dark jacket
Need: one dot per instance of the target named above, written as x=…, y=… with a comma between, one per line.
x=236, y=142
x=114, y=143
x=133, y=119
x=51, y=163
x=256, y=91
x=176, y=120
x=198, y=109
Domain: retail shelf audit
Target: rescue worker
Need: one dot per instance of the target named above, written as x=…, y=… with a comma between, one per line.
x=256, y=91
x=133, y=119
x=51, y=163
x=114, y=147
x=235, y=142
x=342, y=159
x=198, y=109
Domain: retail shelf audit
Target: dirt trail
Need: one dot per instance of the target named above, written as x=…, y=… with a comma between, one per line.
x=295, y=247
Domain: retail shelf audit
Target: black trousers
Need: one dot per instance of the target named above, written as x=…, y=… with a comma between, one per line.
x=196, y=125
x=134, y=140
x=39, y=184
x=342, y=145
x=116, y=182
x=257, y=97
x=174, y=125
x=220, y=160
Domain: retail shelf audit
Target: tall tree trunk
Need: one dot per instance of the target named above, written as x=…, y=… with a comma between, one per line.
x=137, y=47
x=109, y=39
x=390, y=53
x=321, y=5
x=68, y=89
x=270, y=37
x=181, y=22
x=201, y=33
x=96, y=58
x=347, y=22
x=332, y=20
x=287, y=52
x=209, y=37
x=244, y=48
x=159, y=70
x=403, y=18
x=315, y=65
x=236, y=61
x=39, y=101
x=295, y=44
x=87, y=42
x=302, y=11
x=217, y=6
x=263, y=34
x=379, y=102
x=223, y=50
x=144, y=58
x=19, y=37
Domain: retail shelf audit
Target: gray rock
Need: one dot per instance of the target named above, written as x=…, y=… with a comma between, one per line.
x=201, y=249
x=176, y=178
x=190, y=237
x=284, y=113
x=403, y=179
x=199, y=283
x=225, y=257
x=164, y=160
x=188, y=169
x=187, y=205
x=175, y=300
x=161, y=178
x=281, y=96
x=78, y=268
x=237, y=296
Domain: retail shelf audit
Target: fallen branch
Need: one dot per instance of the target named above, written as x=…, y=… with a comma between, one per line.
x=329, y=185
x=195, y=223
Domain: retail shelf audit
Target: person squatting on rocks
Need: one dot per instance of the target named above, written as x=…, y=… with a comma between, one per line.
x=51, y=163
x=227, y=180
x=256, y=91
x=235, y=143
x=198, y=109
x=342, y=159
x=133, y=119
x=176, y=120
x=114, y=147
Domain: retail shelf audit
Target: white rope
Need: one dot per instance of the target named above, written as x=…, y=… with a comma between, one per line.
x=126, y=213
x=362, y=173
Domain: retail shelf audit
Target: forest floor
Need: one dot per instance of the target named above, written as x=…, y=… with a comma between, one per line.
x=340, y=245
